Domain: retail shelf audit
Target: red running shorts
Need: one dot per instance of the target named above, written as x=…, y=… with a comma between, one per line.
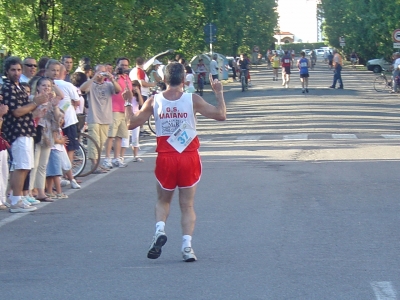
x=182, y=170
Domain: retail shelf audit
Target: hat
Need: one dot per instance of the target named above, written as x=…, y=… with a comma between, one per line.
x=156, y=62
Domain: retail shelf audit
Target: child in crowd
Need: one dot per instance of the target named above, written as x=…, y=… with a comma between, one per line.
x=54, y=170
x=137, y=101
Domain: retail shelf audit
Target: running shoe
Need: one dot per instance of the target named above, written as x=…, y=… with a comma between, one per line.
x=159, y=240
x=107, y=164
x=116, y=162
x=20, y=207
x=188, y=254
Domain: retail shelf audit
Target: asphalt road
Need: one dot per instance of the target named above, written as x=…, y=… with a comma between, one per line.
x=298, y=200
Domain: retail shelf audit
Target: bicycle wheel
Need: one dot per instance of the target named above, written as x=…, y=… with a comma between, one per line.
x=152, y=125
x=84, y=140
x=243, y=81
x=79, y=161
x=380, y=83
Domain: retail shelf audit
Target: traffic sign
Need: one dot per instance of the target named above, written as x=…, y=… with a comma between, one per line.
x=396, y=45
x=210, y=29
x=396, y=35
x=342, y=44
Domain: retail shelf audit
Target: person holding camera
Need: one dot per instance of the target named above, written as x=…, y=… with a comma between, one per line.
x=118, y=129
x=99, y=117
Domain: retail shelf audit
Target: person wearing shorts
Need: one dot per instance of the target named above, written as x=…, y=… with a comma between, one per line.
x=99, y=115
x=285, y=63
x=118, y=129
x=19, y=129
x=275, y=65
x=177, y=165
x=303, y=64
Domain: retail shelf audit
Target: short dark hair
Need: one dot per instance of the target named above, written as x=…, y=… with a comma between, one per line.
x=78, y=78
x=26, y=58
x=42, y=62
x=10, y=61
x=174, y=74
x=122, y=58
x=188, y=70
x=64, y=57
x=84, y=61
x=140, y=61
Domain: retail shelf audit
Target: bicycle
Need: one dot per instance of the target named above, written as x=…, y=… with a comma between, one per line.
x=79, y=168
x=381, y=82
x=152, y=124
x=243, y=74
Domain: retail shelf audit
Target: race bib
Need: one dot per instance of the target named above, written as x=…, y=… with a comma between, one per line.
x=303, y=64
x=182, y=137
x=287, y=61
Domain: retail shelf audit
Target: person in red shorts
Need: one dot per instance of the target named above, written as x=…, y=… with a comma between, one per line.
x=178, y=162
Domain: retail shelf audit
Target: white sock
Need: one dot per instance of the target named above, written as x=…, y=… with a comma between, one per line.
x=14, y=199
x=186, y=241
x=160, y=226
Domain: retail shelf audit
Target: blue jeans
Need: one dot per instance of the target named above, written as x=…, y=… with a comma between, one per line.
x=337, y=76
x=245, y=74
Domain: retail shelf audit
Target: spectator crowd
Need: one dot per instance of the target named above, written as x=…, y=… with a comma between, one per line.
x=44, y=105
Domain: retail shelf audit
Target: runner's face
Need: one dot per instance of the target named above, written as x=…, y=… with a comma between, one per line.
x=14, y=73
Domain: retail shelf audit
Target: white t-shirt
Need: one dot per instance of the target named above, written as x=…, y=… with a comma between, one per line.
x=23, y=78
x=133, y=75
x=396, y=64
x=214, y=67
x=190, y=88
x=81, y=108
x=65, y=104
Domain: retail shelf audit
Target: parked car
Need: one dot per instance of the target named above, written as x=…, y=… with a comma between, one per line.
x=320, y=52
x=378, y=64
x=306, y=51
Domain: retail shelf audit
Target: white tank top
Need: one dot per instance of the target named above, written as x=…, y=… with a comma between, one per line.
x=169, y=115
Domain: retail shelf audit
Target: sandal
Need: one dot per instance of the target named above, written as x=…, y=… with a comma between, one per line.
x=45, y=199
x=99, y=171
x=61, y=196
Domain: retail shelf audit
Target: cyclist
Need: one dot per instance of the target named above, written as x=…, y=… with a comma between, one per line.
x=244, y=66
x=201, y=71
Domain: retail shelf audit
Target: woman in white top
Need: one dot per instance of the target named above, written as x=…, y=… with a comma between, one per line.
x=189, y=82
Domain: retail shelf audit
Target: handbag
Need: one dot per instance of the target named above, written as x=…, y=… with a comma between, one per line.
x=65, y=162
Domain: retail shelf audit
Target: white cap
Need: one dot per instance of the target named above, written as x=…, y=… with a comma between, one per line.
x=156, y=62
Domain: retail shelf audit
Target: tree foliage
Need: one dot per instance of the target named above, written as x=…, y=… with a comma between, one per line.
x=366, y=25
x=104, y=30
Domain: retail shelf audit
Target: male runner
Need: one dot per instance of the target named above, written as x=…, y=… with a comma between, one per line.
x=178, y=162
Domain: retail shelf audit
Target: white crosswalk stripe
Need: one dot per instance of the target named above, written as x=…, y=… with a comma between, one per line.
x=384, y=290
x=344, y=136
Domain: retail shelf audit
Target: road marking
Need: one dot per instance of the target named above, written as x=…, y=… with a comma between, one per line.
x=383, y=290
x=344, y=136
x=249, y=138
x=391, y=136
x=297, y=137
